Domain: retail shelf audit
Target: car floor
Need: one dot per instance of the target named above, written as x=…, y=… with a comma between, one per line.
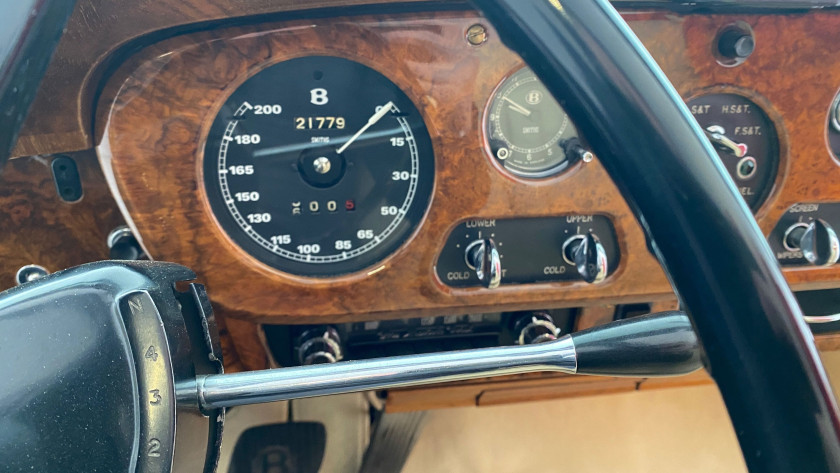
x=667, y=430
x=670, y=430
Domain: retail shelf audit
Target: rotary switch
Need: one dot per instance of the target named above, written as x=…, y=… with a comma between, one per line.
x=483, y=258
x=817, y=240
x=587, y=254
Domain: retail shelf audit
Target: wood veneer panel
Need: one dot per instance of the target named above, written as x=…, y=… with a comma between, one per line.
x=594, y=316
x=580, y=387
x=793, y=74
x=40, y=228
x=153, y=135
x=37, y=227
x=698, y=378
x=244, y=340
x=97, y=34
x=162, y=101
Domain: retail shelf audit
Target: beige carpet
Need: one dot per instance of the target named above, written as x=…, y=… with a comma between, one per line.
x=672, y=430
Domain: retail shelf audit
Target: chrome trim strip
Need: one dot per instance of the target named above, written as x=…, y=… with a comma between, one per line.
x=228, y=390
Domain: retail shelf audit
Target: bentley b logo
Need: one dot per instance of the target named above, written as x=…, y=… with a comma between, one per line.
x=534, y=97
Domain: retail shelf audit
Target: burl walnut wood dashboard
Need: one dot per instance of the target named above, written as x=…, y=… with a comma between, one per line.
x=154, y=113
x=154, y=129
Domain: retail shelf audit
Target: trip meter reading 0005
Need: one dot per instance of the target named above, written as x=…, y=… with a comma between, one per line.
x=318, y=166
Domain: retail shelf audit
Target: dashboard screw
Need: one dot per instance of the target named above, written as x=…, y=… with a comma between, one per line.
x=477, y=35
x=30, y=272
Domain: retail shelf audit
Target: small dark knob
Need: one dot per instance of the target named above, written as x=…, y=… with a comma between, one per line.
x=483, y=257
x=736, y=44
x=573, y=149
x=588, y=255
x=123, y=245
x=319, y=345
x=817, y=240
x=535, y=327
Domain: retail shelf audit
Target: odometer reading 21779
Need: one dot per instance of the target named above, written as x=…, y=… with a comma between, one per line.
x=318, y=166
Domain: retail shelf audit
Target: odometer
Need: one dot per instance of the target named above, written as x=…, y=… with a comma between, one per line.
x=318, y=166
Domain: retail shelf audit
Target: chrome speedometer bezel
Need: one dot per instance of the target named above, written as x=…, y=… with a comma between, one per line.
x=310, y=259
x=403, y=225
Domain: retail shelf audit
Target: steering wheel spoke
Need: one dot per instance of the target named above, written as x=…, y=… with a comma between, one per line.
x=759, y=350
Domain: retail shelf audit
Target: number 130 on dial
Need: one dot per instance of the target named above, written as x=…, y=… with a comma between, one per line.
x=319, y=137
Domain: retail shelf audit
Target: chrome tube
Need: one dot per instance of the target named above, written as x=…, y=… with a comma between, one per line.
x=228, y=390
x=821, y=319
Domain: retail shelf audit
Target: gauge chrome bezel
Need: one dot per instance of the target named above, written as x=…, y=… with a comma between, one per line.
x=782, y=137
x=342, y=273
x=561, y=168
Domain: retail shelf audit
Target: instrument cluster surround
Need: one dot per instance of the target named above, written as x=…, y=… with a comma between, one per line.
x=426, y=56
x=294, y=186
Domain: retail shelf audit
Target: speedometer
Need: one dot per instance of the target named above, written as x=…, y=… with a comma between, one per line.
x=318, y=166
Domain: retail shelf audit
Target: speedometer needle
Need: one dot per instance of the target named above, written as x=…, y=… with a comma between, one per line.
x=371, y=121
x=519, y=108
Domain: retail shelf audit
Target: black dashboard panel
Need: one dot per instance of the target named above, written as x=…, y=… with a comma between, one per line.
x=531, y=250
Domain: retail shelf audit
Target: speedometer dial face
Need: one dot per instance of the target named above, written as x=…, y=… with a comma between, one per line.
x=527, y=131
x=319, y=166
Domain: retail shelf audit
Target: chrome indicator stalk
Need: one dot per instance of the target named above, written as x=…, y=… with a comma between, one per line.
x=650, y=346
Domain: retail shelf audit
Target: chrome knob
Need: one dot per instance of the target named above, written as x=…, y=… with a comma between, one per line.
x=817, y=240
x=30, y=272
x=483, y=258
x=123, y=245
x=319, y=345
x=588, y=255
x=536, y=327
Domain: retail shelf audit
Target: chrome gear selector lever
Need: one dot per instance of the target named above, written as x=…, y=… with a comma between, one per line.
x=129, y=348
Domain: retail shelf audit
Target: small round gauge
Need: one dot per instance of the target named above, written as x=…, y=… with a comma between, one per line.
x=318, y=166
x=744, y=138
x=527, y=131
x=834, y=127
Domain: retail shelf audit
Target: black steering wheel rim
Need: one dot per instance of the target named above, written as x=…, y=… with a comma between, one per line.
x=757, y=347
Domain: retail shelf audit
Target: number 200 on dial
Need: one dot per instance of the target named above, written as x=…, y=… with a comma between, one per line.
x=318, y=166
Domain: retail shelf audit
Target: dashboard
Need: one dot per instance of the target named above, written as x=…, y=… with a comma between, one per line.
x=265, y=150
x=442, y=91
x=361, y=168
